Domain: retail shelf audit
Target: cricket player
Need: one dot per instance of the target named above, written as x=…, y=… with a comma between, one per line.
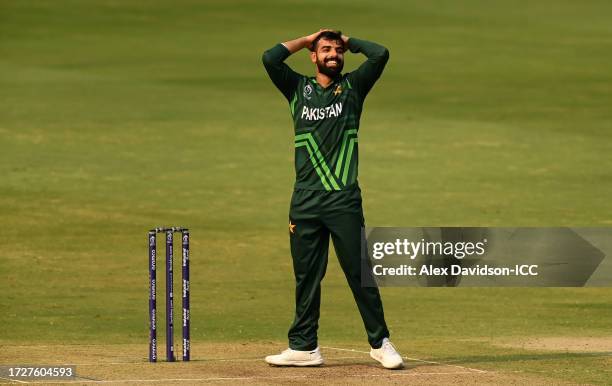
x=326, y=200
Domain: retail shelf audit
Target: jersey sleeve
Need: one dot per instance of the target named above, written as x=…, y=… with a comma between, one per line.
x=283, y=77
x=367, y=74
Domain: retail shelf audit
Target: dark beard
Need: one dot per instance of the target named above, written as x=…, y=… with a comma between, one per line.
x=331, y=72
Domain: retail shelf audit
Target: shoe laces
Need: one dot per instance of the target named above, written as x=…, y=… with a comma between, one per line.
x=389, y=347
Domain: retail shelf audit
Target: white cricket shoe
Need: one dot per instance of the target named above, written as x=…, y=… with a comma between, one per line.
x=291, y=357
x=387, y=355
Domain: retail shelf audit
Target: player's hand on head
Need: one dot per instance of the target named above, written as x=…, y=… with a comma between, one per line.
x=345, y=39
x=312, y=37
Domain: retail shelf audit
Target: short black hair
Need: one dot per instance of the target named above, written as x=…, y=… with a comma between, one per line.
x=327, y=35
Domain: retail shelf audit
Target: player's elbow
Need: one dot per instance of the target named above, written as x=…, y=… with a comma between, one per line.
x=380, y=58
x=384, y=55
x=267, y=58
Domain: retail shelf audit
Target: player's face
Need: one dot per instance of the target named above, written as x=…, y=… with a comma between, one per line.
x=329, y=57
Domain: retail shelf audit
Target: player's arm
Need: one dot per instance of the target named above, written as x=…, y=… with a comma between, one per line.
x=283, y=77
x=367, y=74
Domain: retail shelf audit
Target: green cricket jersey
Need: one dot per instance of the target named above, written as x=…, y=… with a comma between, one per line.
x=326, y=120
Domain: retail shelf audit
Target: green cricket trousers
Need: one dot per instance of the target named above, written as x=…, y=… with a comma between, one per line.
x=314, y=216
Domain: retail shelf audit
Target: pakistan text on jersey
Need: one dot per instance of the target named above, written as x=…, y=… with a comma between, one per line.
x=317, y=113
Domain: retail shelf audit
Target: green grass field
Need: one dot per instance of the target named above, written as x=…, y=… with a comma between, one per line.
x=117, y=116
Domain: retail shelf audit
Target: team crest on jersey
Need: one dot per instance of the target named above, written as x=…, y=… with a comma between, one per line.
x=308, y=91
x=338, y=90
